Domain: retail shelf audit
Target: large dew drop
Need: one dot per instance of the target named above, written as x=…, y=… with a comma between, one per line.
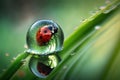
x=41, y=66
x=44, y=37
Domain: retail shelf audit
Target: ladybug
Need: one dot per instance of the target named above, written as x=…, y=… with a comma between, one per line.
x=44, y=34
x=43, y=69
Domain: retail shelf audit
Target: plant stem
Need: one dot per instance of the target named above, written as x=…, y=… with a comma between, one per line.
x=86, y=27
x=17, y=63
x=81, y=32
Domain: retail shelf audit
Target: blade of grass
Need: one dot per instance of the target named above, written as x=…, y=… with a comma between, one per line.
x=83, y=65
x=86, y=27
x=76, y=37
x=17, y=63
x=111, y=61
x=113, y=68
x=94, y=62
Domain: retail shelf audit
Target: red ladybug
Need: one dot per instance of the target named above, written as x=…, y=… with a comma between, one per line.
x=43, y=35
x=43, y=69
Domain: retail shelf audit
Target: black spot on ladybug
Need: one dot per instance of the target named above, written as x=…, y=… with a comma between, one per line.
x=40, y=37
x=45, y=31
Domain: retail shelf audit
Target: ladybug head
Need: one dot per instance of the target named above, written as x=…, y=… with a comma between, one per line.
x=53, y=29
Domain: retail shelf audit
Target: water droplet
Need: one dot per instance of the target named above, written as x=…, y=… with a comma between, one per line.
x=111, y=8
x=44, y=37
x=73, y=53
x=91, y=18
x=65, y=67
x=23, y=61
x=92, y=12
x=41, y=66
x=84, y=20
x=107, y=1
x=102, y=7
x=97, y=27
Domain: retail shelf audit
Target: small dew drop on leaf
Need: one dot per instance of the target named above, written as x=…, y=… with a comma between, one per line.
x=92, y=12
x=23, y=60
x=102, y=7
x=91, y=18
x=72, y=54
x=111, y=8
x=107, y=1
x=65, y=67
x=97, y=11
x=83, y=20
x=97, y=27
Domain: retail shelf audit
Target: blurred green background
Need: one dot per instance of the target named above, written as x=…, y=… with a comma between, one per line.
x=16, y=16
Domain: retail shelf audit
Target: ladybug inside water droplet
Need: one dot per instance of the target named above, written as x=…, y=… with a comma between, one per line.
x=44, y=37
x=44, y=34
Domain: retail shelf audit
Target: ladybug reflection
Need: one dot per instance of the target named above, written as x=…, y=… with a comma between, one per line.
x=43, y=69
x=45, y=33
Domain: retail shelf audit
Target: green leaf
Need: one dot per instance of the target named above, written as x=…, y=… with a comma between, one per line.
x=88, y=53
x=17, y=63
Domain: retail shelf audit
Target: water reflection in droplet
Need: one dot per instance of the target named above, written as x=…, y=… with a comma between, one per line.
x=41, y=66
